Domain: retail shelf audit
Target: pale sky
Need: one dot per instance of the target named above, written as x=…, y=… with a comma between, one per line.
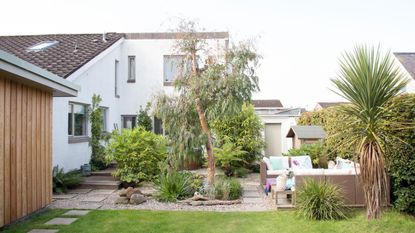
x=300, y=40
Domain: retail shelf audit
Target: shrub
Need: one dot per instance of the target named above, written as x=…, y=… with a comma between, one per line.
x=244, y=130
x=225, y=188
x=320, y=201
x=97, y=149
x=143, y=118
x=315, y=151
x=61, y=180
x=229, y=157
x=241, y=172
x=137, y=153
x=173, y=186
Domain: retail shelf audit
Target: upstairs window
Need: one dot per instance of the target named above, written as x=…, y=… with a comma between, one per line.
x=104, y=119
x=77, y=119
x=131, y=69
x=116, y=76
x=172, y=68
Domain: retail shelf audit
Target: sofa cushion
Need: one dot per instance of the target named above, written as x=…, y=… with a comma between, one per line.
x=268, y=163
x=276, y=163
x=301, y=162
x=344, y=163
x=284, y=159
x=339, y=171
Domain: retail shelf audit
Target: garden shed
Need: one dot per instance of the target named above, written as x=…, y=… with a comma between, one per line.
x=26, y=93
x=305, y=134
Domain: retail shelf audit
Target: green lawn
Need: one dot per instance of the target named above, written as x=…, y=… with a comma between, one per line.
x=174, y=221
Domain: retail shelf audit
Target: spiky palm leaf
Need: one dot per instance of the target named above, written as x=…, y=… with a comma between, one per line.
x=369, y=79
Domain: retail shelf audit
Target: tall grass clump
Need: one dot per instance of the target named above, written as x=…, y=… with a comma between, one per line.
x=320, y=201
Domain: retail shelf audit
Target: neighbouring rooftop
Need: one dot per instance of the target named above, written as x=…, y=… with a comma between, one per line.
x=408, y=62
x=272, y=103
x=306, y=132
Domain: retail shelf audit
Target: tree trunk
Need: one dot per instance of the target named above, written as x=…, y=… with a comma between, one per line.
x=204, y=124
x=374, y=179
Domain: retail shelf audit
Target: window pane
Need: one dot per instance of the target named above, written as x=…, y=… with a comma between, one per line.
x=172, y=67
x=104, y=119
x=131, y=68
x=80, y=120
x=129, y=122
x=70, y=119
x=116, y=77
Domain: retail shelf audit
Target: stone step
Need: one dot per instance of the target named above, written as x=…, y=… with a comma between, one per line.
x=99, y=184
x=251, y=194
x=252, y=200
x=107, y=172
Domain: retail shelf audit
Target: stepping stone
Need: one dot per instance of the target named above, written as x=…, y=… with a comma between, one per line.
x=250, y=200
x=102, y=191
x=79, y=191
x=61, y=221
x=251, y=194
x=250, y=188
x=88, y=206
x=95, y=198
x=77, y=212
x=64, y=196
x=43, y=231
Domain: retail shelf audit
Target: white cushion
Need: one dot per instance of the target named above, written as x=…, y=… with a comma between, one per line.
x=301, y=162
x=319, y=171
x=276, y=172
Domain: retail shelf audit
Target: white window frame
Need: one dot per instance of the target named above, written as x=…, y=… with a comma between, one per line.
x=85, y=124
x=116, y=77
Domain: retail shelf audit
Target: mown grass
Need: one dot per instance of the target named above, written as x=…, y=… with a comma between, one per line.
x=178, y=221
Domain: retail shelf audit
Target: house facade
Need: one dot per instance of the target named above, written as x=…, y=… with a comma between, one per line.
x=125, y=69
x=277, y=122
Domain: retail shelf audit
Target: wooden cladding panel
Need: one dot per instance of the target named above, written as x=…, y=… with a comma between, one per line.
x=25, y=150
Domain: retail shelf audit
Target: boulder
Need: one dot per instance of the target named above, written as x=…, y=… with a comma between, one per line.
x=133, y=191
x=137, y=199
x=121, y=200
x=123, y=192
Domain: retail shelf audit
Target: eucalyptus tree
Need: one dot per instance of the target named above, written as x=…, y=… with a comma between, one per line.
x=369, y=79
x=208, y=86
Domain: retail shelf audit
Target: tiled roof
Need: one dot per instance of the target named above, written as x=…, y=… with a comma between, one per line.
x=307, y=132
x=408, y=62
x=267, y=103
x=64, y=58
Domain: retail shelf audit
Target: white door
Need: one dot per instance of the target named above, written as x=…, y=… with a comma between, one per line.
x=273, y=139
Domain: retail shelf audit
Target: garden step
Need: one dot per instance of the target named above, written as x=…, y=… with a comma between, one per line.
x=251, y=194
x=106, y=172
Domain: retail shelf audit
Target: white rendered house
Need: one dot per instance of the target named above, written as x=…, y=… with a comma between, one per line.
x=125, y=69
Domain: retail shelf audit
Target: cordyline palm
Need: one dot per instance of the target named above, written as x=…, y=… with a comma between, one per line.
x=369, y=80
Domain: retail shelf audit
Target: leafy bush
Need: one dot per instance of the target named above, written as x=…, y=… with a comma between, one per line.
x=244, y=130
x=315, y=151
x=96, y=119
x=225, y=188
x=241, y=172
x=173, y=186
x=400, y=153
x=61, y=180
x=320, y=201
x=137, y=153
x=143, y=118
x=228, y=157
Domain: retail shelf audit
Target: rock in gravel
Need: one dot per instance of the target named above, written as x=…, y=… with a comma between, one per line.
x=124, y=192
x=137, y=199
x=196, y=203
x=121, y=200
x=133, y=191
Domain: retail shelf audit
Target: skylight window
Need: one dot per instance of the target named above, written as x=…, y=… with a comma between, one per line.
x=43, y=45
